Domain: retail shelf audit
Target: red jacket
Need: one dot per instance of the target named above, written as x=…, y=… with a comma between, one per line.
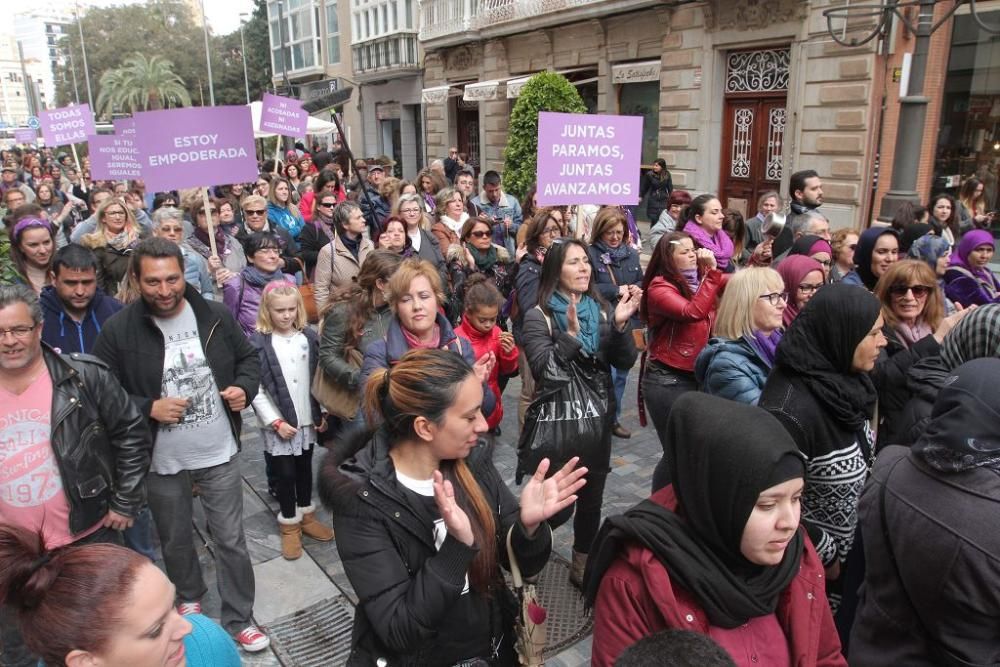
x=681, y=327
x=636, y=598
x=506, y=363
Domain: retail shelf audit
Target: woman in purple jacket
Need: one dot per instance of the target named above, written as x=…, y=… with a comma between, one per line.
x=242, y=292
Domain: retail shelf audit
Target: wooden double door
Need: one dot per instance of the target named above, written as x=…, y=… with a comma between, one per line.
x=753, y=137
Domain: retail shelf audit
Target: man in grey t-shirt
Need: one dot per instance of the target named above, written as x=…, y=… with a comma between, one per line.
x=188, y=366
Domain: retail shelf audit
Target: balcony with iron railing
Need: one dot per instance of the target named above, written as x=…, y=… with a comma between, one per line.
x=447, y=22
x=387, y=56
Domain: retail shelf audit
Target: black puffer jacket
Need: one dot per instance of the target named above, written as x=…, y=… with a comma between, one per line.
x=411, y=608
x=100, y=439
x=890, y=375
x=923, y=382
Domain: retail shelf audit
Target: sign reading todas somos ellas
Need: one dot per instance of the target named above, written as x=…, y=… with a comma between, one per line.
x=195, y=147
x=283, y=116
x=67, y=125
x=588, y=159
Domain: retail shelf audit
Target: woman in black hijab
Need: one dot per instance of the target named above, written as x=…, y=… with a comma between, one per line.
x=720, y=550
x=878, y=249
x=932, y=588
x=820, y=390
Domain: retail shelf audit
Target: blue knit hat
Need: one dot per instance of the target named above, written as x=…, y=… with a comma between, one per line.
x=209, y=645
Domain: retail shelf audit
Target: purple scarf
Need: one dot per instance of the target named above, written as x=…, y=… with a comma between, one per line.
x=765, y=345
x=691, y=278
x=720, y=244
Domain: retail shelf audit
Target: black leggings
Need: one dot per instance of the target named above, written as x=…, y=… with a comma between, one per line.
x=587, y=519
x=294, y=481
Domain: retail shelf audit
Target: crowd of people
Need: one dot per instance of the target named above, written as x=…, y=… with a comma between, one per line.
x=820, y=395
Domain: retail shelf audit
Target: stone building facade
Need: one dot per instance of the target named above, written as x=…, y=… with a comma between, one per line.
x=737, y=94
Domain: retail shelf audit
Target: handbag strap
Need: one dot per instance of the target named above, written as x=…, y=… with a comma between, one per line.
x=302, y=267
x=515, y=569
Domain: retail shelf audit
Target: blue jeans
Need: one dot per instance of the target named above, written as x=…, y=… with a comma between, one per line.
x=221, y=495
x=139, y=537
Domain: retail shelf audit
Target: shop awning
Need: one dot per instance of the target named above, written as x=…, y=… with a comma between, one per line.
x=436, y=95
x=515, y=85
x=481, y=91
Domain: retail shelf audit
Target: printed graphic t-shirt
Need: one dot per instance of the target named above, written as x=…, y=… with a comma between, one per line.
x=202, y=438
x=31, y=490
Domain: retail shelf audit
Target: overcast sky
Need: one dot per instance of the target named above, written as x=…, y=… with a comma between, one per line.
x=223, y=15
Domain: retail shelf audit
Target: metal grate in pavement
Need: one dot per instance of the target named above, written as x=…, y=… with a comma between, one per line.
x=567, y=621
x=317, y=636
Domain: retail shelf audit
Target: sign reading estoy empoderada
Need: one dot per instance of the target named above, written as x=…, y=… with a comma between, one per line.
x=67, y=125
x=195, y=147
x=282, y=115
x=25, y=135
x=588, y=159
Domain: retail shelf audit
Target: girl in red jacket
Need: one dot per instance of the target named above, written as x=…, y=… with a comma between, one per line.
x=681, y=291
x=479, y=327
x=720, y=551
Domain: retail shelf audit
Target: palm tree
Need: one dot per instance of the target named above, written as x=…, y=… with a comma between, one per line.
x=141, y=84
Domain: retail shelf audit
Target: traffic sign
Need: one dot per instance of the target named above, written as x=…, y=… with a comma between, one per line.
x=33, y=122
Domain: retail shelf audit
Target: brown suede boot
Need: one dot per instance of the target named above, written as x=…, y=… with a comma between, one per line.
x=577, y=568
x=312, y=527
x=291, y=537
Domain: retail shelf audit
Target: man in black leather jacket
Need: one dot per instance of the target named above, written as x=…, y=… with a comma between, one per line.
x=74, y=448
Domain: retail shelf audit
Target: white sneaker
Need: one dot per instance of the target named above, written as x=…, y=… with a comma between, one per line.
x=188, y=608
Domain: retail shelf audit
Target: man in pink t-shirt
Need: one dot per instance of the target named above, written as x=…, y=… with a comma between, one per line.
x=74, y=448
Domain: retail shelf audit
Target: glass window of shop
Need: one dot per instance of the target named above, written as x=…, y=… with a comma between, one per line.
x=969, y=136
x=643, y=99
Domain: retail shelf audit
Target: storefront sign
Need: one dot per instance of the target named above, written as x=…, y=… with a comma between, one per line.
x=481, y=92
x=67, y=125
x=388, y=110
x=315, y=90
x=25, y=135
x=636, y=72
x=283, y=115
x=588, y=159
x=195, y=147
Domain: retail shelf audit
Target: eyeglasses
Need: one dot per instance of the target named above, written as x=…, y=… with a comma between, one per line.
x=806, y=288
x=551, y=231
x=919, y=291
x=327, y=204
x=480, y=234
x=409, y=210
x=254, y=211
x=774, y=298
x=20, y=333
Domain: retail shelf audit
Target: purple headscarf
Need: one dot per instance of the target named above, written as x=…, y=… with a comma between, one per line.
x=970, y=241
x=792, y=270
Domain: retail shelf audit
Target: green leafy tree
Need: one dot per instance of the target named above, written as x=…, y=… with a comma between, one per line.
x=141, y=84
x=164, y=28
x=546, y=91
x=229, y=83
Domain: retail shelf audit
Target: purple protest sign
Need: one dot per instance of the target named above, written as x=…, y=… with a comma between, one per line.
x=588, y=159
x=126, y=153
x=282, y=115
x=25, y=135
x=195, y=147
x=67, y=125
x=113, y=158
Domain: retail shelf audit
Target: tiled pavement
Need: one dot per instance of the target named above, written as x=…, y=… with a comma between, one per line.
x=285, y=587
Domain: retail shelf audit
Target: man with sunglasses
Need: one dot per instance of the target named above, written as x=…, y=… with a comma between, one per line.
x=76, y=448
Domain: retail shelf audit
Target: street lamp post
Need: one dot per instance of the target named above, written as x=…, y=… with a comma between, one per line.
x=913, y=105
x=208, y=55
x=83, y=50
x=72, y=69
x=281, y=36
x=243, y=53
